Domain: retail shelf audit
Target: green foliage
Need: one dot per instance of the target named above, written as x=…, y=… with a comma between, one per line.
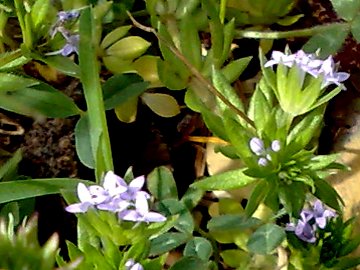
x=161, y=184
x=199, y=247
x=225, y=181
x=266, y=238
x=25, y=242
x=22, y=189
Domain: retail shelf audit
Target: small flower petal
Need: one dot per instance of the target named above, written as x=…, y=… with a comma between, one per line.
x=275, y=145
x=78, y=207
x=83, y=193
x=257, y=146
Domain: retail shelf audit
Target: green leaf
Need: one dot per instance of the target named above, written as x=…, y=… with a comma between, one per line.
x=39, y=12
x=171, y=60
x=42, y=99
x=233, y=70
x=232, y=222
x=225, y=181
x=322, y=161
x=192, y=197
x=12, y=82
x=120, y=88
x=355, y=28
x=61, y=63
x=330, y=41
x=170, y=77
x=224, y=87
x=216, y=31
x=166, y=242
x=162, y=104
x=189, y=263
x=235, y=258
x=327, y=194
x=229, y=31
x=9, y=169
x=114, y=36
x=266, y=238
x=161, y=184
x=146, y=67
x=127, y=111
x=129, y=47
x=305, y=130
x=23, y=189
x=190, y=42
x=259, y=110
x=171, y=207
x=256, y=197
x=82, y=142
x=346, y=9
x=199, y=247
x=292, y=204
x=347, y=263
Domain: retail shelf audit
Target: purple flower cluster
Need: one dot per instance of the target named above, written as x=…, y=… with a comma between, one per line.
x=258, y=148
x=72, y=40
x=309, y=64
x=127, y=200
x=311, y=220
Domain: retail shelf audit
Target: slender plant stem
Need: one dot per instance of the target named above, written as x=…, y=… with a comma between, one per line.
x=293, y=33
x=193, y=70
x=100, y=141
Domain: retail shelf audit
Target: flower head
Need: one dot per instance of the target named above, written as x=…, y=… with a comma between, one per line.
x=129, y=201
x=310, y=220
x=257, y=147
x=308, y=63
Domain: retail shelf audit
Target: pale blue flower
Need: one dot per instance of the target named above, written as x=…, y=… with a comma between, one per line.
x=132, y=265
x=321, y=214
x=71, y=46
x=310, y=220
x=141, y=212
x=263, y=161
x=304, y=229
x=133, y=190
x=331, y=76
x=62, y=18
x=257, y=147
x=275, y=145
x=308, y=63
x=89, y=197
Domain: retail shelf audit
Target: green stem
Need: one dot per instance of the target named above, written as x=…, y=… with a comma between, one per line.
x=89, y=66
x=287, y=34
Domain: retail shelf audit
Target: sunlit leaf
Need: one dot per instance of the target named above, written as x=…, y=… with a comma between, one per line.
x=128, y=47
x=161, y=104
x=225, y=181
x=126, y=112
x=114, y=36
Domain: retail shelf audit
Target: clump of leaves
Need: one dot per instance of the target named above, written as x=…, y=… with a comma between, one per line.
x=24, y=242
